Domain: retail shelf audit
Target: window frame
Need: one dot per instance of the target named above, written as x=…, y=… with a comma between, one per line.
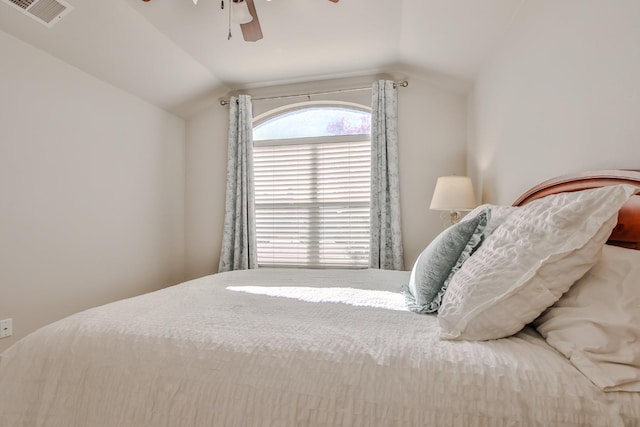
x=286, y=109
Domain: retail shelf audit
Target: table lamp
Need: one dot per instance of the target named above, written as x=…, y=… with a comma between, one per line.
x=455, y=195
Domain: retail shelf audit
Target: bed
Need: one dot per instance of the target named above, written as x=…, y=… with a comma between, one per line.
x=284, y=347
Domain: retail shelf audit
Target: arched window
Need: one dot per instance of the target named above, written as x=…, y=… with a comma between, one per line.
x=312, y=168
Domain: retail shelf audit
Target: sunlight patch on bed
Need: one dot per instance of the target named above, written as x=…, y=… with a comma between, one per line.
x=356, y=297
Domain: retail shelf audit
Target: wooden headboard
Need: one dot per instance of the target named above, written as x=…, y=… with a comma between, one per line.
x=627, y=232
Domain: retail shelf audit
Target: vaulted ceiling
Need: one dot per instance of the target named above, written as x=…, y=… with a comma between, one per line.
x=172, y=52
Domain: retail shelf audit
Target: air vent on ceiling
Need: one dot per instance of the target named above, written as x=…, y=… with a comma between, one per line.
x=47, y=12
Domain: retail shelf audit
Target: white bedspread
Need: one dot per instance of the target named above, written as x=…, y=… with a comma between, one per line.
x=274, y=350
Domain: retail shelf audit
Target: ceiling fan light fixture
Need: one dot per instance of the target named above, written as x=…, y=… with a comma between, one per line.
x=240, y=12
x=195, y=2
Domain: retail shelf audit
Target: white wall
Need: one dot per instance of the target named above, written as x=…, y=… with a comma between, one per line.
x=432, y=134
x=561, y=95
x=91, y=191
x=206, y=160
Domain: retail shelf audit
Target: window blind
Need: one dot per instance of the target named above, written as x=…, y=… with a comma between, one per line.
x=312, y=202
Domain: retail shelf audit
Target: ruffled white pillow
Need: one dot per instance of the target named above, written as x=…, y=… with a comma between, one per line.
x=530, y=260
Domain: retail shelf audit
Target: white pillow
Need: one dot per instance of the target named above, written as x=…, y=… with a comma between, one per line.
x=529, y=261
x=596, y=325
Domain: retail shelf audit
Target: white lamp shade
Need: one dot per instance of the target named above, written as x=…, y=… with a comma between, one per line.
x=453, y=193
x=240, y=12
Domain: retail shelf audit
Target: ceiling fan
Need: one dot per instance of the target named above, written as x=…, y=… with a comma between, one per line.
x=243, y=12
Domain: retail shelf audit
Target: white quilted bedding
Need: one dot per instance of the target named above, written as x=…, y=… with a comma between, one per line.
x=274, y=351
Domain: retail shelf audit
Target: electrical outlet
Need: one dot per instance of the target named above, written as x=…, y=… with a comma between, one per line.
x=6, y=328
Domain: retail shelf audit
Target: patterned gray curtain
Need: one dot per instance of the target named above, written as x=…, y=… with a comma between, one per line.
x=239, y=239
x=385, y=249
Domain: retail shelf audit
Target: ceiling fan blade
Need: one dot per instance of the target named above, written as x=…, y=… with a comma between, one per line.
x=251, y=31
x=335, y=1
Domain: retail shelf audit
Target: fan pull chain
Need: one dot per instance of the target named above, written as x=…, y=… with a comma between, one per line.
x=229, y=36
x=222, y=7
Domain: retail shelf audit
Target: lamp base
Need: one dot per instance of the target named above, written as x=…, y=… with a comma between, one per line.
x=451, y=217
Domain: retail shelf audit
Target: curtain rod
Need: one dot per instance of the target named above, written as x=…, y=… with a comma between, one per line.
x=355, y=89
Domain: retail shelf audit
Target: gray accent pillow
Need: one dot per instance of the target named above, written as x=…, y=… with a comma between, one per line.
x=440, y=260
x=499, y=214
